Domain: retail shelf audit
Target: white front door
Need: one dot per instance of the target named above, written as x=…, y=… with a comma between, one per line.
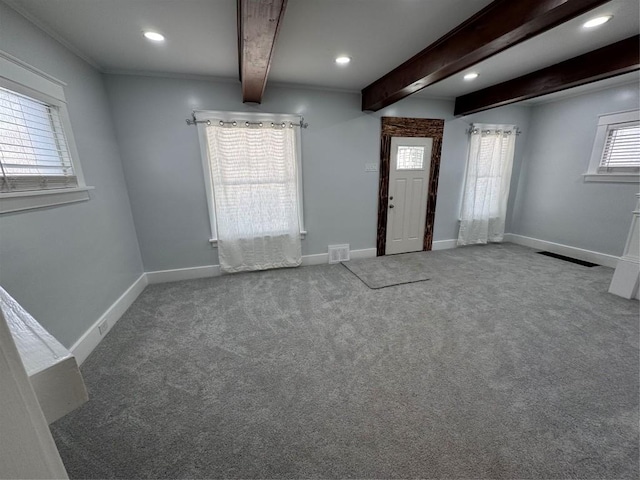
x=408, y=188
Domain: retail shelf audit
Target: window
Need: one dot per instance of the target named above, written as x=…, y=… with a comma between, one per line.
x=38, y=159
x=622, y=148
x=410, y=158
x=33, y=149
x=487, y=182
x=616, y=150
x=253, y=173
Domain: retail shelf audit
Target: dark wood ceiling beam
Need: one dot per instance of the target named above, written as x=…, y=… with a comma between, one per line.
x=500, y=25
x=615, y=59
x=258, y=26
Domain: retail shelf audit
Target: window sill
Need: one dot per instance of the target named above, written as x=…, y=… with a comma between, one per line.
x=611, y=177
x=20, y=201
x=214, y=241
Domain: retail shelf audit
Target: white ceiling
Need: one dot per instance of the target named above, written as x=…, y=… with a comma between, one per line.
x=201, y=38
x=200, y=34
x=561, y=43
x=377, y=34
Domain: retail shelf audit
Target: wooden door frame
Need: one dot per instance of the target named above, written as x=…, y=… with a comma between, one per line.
x=408, y=127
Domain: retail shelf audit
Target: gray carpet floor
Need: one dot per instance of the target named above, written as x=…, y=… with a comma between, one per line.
x=392, y=270
x=505, y=364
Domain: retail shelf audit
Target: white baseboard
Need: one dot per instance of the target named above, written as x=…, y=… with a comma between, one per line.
x=175, y=275
x=574, y=252
x=364, y=253
x=162, y=276
x=92, y=337
x=323, y=258
x=444, y=244
x=318, y=259
x=626, y=278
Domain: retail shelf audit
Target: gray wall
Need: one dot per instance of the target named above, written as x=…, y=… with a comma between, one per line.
x=553, y=202
x=66, y=265
x=163, y=167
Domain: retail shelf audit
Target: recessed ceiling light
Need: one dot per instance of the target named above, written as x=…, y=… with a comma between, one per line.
x=594, y=22
x=154, y=36
x=471, y=76
x=343, y=60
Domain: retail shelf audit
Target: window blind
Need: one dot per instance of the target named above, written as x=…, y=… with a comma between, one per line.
x=622, y=147
x=33, y=149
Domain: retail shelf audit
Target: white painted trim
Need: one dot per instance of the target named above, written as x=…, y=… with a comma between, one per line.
x=19, y=201
x=357, y=254
x=7, y=56
x=619, y=117
x=574, y=252
x=613, y=174
x=317, y=259
x=91, y=338
x=612, y=177
x=25, y=79
x=323, y=258
x=626, y=278
x=178, y=274
x=191, y=273
x=444, y=244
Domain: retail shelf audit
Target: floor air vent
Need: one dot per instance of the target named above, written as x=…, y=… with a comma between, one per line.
x=338, y=253
x=569, y=259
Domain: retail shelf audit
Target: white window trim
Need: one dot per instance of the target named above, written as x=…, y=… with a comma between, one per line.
x=604, y=121
x=216, y=116
x=27, y=80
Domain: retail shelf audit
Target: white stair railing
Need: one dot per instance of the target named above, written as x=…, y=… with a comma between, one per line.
x=627, y=275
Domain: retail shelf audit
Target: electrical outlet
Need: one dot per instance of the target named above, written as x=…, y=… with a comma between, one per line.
x=370, y=167
x=103, y=327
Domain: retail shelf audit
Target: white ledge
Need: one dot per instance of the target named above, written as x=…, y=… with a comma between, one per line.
x=52, y=369
x=611, y=177
x=19, y=201
x=214, y=241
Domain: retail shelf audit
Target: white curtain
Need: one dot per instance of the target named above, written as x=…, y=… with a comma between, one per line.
x=486, y=190
x=254, y=177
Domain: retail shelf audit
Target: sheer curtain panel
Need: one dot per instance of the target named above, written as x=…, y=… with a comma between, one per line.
x=254, y=178
x=486, y=190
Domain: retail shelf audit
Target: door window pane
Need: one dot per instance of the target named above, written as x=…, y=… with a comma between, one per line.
x=410, y=158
